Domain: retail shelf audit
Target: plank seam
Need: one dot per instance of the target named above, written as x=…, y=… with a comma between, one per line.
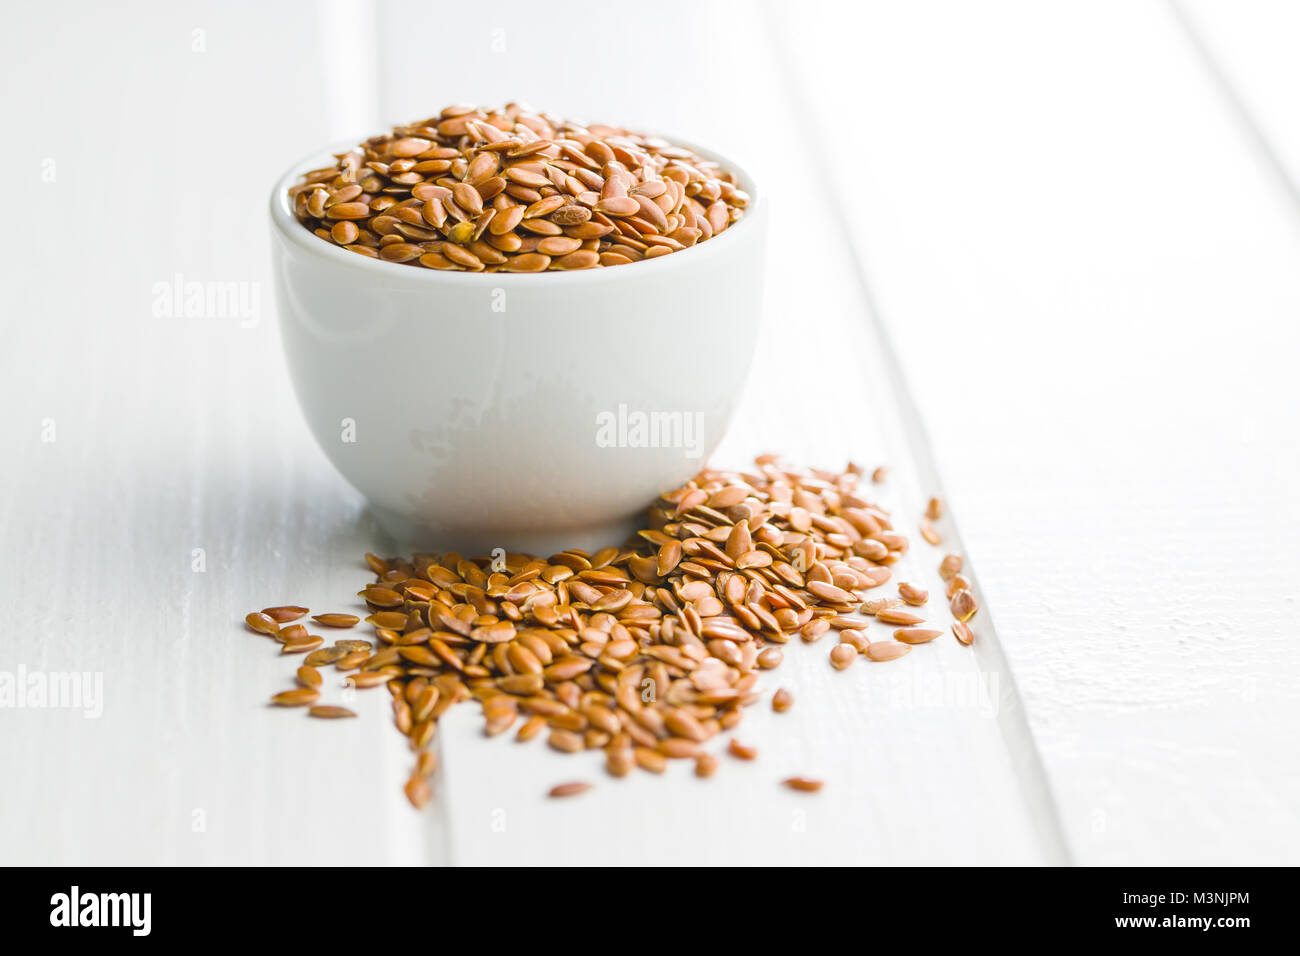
x=1021, y=745
x=1236, y=104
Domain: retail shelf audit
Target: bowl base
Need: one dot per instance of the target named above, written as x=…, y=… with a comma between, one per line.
x=406, y=536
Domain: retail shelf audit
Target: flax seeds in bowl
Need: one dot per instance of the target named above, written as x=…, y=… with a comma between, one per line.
x=505, y=412
x=477, y=189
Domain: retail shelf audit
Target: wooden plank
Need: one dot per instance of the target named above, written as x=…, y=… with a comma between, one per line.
x=1249, y=50
x=1091, y=284
x=176, y=434
x=171, y=434
x=921, y=767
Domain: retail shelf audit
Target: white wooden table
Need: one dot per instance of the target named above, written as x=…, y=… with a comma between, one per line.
x=1041, y=258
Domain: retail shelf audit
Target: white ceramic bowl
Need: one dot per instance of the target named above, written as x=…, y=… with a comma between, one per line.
x=502, y=410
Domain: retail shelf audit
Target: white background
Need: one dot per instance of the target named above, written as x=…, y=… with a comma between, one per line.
x=1041, y=258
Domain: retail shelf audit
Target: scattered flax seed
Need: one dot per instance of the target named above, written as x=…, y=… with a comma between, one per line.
x=530, y=728
x=566, y=741
x=842, y=655
x=378, y=597
x=929, y=533
x=650, y=759
x=336, y=620
x=403, y=719
x=961, y=630
x=301, y=645
x=873, y=608
x=958, y=582
x=330, y=711
x=351, y=660
x=296, y=698
x=645, y=651
x=856, y=640
x=294, y=632
x=934, y=509
x=262, y=623
x=916, y=635
x=782, y=701
x=368, y=679
x=814, y=629
x=803, y=784
x=741, y=751
x=421, y=735
x=418, y=791
x=950, y=565
x=285, y=613
x=886, y=650
x=879, y=474
x=890, y=615
x=499, y=720
x=325, y=656
x=963, y=605
x=352, y=646
x=895, y=544
x=619, y=760
x=309, y=676
x=569, y=789
x=912, y=594
x=677, y=748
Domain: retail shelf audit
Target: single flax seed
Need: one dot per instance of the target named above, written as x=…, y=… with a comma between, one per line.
x=569, y=789
x=330, y=712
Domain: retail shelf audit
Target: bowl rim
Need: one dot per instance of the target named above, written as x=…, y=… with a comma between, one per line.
x=288, y=227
